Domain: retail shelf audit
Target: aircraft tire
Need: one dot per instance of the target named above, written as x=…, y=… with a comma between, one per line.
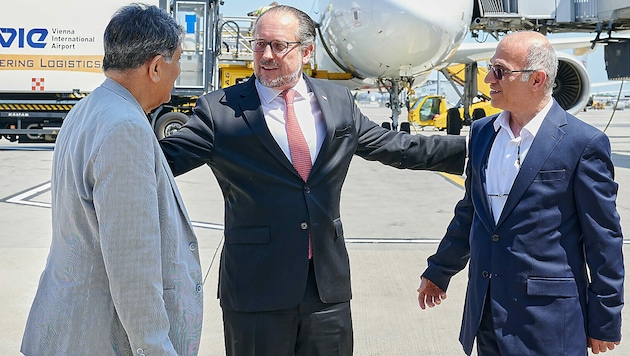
x=478, y=113
x=386, y=125
x=405, y=126
x=453, y=122
x=169, y=123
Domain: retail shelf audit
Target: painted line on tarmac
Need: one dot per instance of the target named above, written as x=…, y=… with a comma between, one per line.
x=457, y=180
x=394, y=240
x=23, y=147
x=24, y=198
x=205, y=225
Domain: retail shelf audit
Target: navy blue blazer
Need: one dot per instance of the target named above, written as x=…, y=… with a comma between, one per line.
x=559, y=222
x=269, y=210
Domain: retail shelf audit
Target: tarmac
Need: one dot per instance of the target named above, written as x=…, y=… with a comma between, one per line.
x=393, y=220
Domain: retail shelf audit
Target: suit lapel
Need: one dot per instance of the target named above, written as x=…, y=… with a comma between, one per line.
x=178, y=198
x=486, y=137
x=253, y=114
x=327, y=114
x=547, y=139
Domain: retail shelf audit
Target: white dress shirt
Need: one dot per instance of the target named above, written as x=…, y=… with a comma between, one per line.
x=307, y=111
x=507, y=155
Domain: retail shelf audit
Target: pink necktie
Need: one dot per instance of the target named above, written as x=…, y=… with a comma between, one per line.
x=300, y=153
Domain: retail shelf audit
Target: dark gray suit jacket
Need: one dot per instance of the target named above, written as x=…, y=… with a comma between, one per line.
x=270, y=210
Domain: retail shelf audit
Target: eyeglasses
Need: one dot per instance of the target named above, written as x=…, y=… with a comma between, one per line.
x=498, y=71
x=278, y=47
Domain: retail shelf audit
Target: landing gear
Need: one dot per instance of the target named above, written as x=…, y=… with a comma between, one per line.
x=393, y=87
x=453, y=122
x=405, y=126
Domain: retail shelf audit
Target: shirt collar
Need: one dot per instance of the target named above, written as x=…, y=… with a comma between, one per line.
x=532, y=126
x=269, y=94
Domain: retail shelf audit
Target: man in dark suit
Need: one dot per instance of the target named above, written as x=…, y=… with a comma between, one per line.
x=537, y=216
x=284, y=282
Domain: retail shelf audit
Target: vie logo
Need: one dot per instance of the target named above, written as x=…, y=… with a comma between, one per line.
x=34, y=38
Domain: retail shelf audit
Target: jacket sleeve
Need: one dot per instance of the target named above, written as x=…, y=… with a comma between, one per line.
x=405, y=151
x=192, y=145
x=595, y=196
x=453, y=252
x=126, y=204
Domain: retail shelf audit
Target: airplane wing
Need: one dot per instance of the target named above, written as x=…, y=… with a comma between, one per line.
x=469, y=52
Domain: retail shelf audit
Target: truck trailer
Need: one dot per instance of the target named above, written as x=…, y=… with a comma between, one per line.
x=51, y=54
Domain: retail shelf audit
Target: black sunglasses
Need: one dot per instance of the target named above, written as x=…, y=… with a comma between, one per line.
x=498, y=71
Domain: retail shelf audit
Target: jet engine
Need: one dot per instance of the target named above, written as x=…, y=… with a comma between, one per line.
x=572, y=87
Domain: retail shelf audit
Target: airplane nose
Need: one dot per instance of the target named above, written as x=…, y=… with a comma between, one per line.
x=390, y=38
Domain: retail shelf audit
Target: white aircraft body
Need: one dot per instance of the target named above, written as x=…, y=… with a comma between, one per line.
x=376, y=38
x=396, y=43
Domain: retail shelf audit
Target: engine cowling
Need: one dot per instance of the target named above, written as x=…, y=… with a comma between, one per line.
x=572, y=86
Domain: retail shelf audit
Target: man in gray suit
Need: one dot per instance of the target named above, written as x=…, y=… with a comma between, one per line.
x=123, y=275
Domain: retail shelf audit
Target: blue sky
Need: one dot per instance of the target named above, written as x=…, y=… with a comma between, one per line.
x=242, y=7
x=594, y=62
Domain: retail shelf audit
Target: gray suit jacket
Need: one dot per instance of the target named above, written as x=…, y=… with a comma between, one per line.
x=123, y=275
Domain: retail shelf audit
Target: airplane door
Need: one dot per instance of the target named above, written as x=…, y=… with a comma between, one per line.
x=191, y=15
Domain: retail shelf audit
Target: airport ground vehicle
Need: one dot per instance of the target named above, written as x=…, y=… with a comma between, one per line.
x=50, y=51
x=432, y=110
x=51, y=57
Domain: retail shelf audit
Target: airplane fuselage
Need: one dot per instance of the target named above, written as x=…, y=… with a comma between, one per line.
x=390, y=38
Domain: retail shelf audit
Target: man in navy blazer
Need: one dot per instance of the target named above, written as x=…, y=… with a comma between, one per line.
x=538, y=222
x=275, y=299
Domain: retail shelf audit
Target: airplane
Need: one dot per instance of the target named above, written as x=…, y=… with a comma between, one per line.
x=396, y=44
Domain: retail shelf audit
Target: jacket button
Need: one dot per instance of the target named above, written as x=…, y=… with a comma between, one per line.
x=192, y=246
x=304, y=226
x=307, y=190
x=495, y=238
x=485, y=274
x=199, y=288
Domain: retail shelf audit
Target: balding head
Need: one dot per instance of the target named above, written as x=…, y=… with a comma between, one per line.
x=536, y=53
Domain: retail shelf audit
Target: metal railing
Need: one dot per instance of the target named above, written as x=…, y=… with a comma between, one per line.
x=236, y=32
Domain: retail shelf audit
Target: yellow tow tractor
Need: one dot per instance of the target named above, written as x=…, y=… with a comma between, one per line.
x=432, y=110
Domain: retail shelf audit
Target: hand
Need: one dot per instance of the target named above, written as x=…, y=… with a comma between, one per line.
x=430, y=294
x=598, y=346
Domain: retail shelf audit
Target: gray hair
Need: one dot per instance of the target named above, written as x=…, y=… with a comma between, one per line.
x=306, y=27
x=137, y=33
x=542, y=56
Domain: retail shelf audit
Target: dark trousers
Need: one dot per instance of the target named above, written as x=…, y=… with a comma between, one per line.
x=486, y=337
x=312, y=328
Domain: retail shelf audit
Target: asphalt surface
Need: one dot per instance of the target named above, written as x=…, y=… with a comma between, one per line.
x=393, y=220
